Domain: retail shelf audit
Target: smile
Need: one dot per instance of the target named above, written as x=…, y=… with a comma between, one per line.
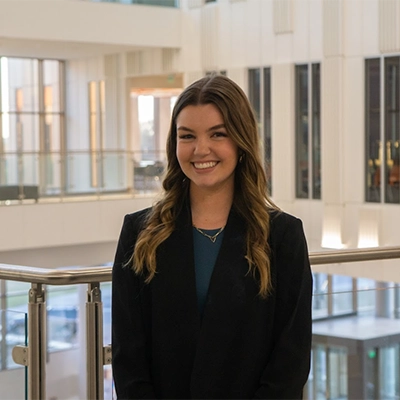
x=205, y=165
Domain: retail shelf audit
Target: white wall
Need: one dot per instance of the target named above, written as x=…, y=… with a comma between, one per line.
x=59, y=233
x=89, y=22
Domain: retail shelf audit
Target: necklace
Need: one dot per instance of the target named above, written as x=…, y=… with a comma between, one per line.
x=213, y=238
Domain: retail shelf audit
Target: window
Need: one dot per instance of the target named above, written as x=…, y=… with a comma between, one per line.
x=392, y=132
x=308, y=131
x=372, y=129
x=31, y=128
x=259, y=84
x=382, y=130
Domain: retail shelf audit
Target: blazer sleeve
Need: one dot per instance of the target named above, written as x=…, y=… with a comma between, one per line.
x=130, y=353
x=288, y=367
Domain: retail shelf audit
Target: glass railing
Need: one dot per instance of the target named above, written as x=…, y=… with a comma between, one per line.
x=30, y=177
x=356, y=329
x=13, y=332
x=356, y=352
x=161, y=3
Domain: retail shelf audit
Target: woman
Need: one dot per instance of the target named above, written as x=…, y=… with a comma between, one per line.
x=212, y=285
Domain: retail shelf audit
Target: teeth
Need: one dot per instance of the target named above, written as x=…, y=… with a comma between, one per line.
x=205, y=165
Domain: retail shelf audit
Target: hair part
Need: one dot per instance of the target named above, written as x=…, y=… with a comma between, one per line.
x=251, y=200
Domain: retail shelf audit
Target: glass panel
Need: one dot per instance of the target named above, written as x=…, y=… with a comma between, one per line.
x=9, y=169
x=254, y=92
x=389, y=372
x=320, y=289
x=23, y=133
x=23, y=89
x=19, y=177
x=50, y=167
x=373, y=141
x=267, y=126
x=301, y=109
x=106, y=298
x=52, y=132
x=51, y=82
x=366, y=296
x=146, y=125
x=342, y=298
x=316, y=132
x=392, y=130
x=79, y=173
x=17, y=295
x=320, y=372
x=337, y=367
x=114, y=171
x=62, y=317
x=148, y=175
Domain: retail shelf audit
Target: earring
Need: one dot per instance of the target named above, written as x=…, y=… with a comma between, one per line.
x=241, y=158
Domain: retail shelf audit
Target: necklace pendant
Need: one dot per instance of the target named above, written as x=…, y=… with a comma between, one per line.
x=212, y=238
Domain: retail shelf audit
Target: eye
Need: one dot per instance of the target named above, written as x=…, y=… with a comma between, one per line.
x=220, y=134
x=185, y=136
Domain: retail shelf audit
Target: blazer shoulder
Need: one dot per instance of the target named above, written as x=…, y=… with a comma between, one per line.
x=284, y=225
x=131, y=227
x=136, y=221
x=281, y=220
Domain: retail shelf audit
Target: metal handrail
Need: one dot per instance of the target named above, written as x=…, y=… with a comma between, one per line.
x=72, y=276
x=354, y=255
x=34, y=355
x=49, y=276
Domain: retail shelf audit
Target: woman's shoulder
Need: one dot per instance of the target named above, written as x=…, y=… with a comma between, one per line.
x=279, y=217
x=138, y=217
x=282, y=224
x=134, y=223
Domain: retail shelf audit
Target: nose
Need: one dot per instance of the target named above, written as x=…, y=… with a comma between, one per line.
x=202, y=147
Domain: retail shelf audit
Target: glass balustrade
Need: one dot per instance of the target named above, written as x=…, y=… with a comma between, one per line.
x=32, y=177
x=355, y=349
x=13, y=332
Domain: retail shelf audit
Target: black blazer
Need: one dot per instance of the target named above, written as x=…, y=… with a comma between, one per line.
x=243, y=347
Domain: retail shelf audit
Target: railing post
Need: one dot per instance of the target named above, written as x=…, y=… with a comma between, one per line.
x=94, y=343
x=36, y=343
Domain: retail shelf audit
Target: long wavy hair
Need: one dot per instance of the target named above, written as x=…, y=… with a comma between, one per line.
x=250, y=200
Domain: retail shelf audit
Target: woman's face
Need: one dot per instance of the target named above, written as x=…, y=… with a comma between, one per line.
x=206, y=153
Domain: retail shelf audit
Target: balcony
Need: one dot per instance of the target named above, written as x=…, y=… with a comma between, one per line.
x=356, y=335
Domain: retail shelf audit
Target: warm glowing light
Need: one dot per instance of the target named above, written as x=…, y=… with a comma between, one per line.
x=332, y=241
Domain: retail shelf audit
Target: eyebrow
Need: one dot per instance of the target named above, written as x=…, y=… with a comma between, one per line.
x=213, y=128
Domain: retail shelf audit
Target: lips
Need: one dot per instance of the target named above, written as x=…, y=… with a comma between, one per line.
x=204, y=165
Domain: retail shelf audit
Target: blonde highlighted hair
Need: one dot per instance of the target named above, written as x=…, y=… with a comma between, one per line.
x=250, y=201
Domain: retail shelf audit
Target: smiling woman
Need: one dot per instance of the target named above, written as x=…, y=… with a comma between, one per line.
x=188, y=319
x=206, y=153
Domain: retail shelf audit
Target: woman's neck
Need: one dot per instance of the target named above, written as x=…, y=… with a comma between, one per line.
x=210, y=210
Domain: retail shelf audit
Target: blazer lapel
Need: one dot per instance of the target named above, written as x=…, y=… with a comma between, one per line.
x=226, y=303
x=175, y=282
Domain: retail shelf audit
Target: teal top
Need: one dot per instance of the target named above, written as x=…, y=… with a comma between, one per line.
x=205, y=255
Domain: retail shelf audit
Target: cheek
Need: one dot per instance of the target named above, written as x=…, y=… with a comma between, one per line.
x=180, y=153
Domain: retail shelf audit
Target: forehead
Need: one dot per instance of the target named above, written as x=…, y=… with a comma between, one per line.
x=199, y=115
